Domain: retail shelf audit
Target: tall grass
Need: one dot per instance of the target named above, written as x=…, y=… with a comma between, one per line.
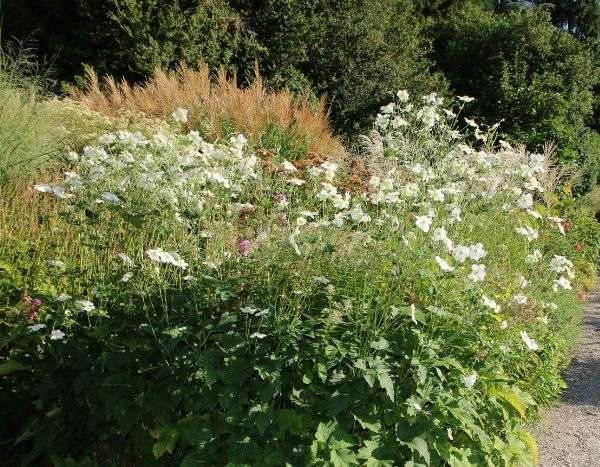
x=28, y=137
x=217, y=106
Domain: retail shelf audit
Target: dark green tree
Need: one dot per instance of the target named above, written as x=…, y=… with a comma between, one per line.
x=536, y=78
x=355, y=52
x=130, y=37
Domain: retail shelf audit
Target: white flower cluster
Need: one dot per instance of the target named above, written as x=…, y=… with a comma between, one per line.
x=180, y=174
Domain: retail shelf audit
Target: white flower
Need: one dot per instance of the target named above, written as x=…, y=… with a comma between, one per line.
x=440, y=235
x=258, y=335
x=444, y=266
x=562, y=282
x=296, y=181
x=529, y=342
x=423, y=223
x=398, y=122
x=56, y=263
x=387, y=109
x=238, y=141
x=56, y=335
x=292, y=240
x=465, y=98
x=477, y=252
x=53, y=189
x=534, y=257
x=301, y=221
x=543, y=319
x=288, y=166
x=519, y=299
x=470, y=380
x=528, y=232
x=358, y=216
x=413, y=313
x=490, y=304
x=437, y=195
x=180, y=115
x=460, y=253
x=560, y=264
x=106, y=139
x=503, y=324
x=455, y=214
x=341, y=202
x=559, y=223
x=126, y=277
x=471, y=123
x=328, y=191
x=525, y=201
x=523, y=282
x=477, y=273
x=110, y=198
x=410, y=189
x=36, y=327
x=161, y=256
x=338, y=219
x=127, y=261
x=63, y=297
x=402, y=95
x=85, y=305
x=329, y=169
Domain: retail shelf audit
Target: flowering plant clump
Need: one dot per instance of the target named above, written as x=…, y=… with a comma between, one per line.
x=409, y=306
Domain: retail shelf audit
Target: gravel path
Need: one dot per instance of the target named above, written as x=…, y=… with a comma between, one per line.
x=571, y=431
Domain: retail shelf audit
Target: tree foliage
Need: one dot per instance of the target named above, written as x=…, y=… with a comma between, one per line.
x=535, y=78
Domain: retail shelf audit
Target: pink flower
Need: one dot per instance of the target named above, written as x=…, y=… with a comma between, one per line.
x=33, y=307
x=282, y=219
x=281, y=199
x=244, y=246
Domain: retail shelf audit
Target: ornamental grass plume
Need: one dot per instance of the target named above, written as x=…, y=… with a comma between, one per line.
x=212, y=100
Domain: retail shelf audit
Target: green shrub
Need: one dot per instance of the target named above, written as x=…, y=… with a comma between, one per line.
x=522, y=70
x=131, y=38
x=180, y=303
x=352, y=51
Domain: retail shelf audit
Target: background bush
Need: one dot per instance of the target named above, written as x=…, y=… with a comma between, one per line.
x=524, y=72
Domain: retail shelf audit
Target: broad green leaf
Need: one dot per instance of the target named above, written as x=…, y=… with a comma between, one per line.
x=325, y=430
x=511, y=397
x=386, y=383
x=290, y=421
x=342, y=458
x=167, y=440
x=370, y=423
x=421, y=447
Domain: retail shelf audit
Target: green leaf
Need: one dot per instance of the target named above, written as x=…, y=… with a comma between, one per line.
x=386, y=383
x=509, y=396
x=371, y=423
x=167, y=440
x=290, y=421
x=421, y=447
x=342, y=458
x=325, y=430
x=262, y=416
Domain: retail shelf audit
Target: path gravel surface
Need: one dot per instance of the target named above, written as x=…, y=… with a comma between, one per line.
x=570, y=435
